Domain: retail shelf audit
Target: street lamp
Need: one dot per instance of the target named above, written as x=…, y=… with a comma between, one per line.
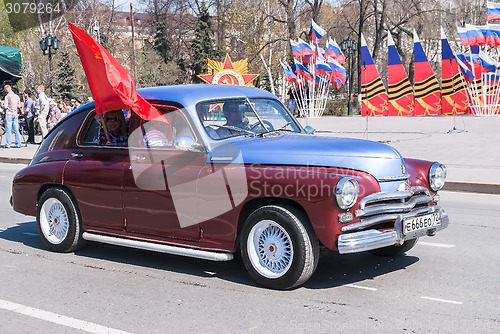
x=49, y=45
x=349, y=47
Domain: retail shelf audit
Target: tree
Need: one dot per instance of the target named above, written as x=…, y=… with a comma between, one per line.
x=202, y=46
x=65, y=84
x=161, y=43
x=153, y=71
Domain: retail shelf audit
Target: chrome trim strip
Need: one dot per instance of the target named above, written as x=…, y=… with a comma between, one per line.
x=395, y=178
x=387, y=196
x=373, y=239
x=402, y=207
x=364, y=223
x=175, y=250
x=221, y=159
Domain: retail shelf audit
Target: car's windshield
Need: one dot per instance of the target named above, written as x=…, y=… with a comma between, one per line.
x=245, y=117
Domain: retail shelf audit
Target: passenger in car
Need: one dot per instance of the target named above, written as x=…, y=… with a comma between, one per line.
x=156, y=133
x=114, y=129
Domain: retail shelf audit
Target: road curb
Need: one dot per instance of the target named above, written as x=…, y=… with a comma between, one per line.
x=480, y=188
x=10, y=160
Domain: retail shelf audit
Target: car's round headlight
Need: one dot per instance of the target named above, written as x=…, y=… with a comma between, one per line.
x=346, y=192
x=437, y=176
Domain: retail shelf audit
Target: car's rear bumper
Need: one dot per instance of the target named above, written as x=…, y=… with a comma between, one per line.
x=372, y=239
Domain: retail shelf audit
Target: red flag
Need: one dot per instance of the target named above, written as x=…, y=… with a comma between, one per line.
x=111, y=85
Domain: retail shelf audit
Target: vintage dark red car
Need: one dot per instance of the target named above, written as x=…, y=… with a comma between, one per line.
x=227, y=170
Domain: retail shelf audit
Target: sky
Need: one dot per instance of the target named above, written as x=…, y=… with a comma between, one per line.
x=125, y=4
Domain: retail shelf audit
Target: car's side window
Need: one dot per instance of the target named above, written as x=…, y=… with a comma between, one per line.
x=172, y=132
x=92, y=132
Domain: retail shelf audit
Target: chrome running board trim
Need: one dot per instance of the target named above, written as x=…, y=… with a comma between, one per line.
x=175, y=250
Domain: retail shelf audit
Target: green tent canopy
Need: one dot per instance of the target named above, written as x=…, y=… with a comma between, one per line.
x=10, y=64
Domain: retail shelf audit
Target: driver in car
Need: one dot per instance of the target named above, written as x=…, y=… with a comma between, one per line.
x=235, y=117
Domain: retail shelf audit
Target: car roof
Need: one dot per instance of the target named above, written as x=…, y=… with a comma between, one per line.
x=190, y=95
x=194, y=93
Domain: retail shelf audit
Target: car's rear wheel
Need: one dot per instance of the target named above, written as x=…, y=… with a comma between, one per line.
x=58, y=221
x=278, y=247
x=396, y=249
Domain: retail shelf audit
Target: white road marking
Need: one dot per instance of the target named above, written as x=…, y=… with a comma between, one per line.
x=434, y=244
x=30, y=233
x=58, y=318
x=360, y=287
x=442, y=300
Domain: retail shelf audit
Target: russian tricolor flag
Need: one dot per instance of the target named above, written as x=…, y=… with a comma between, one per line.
x=304, y=48
x=492, y=11
x=338, y=72
x=468, y=75
x=295, y=49
x=289, y=74
x=333, y=50
x=492, y=35
x=301, y=70
x=316, y=32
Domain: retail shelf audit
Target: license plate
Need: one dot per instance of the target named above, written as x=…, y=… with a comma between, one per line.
x=421, y=222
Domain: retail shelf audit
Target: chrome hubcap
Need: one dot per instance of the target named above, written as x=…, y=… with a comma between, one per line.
x=54, y=221
x=270, y=249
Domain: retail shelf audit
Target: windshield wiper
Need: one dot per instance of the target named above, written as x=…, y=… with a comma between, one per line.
x=262, y=134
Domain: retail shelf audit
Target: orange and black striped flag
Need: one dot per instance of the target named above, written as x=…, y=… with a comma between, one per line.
x=399, y=89
x=374, y=100
x=453, y=91
x=427, y=91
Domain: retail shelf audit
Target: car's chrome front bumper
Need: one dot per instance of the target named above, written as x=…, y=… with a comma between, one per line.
x=372, y=239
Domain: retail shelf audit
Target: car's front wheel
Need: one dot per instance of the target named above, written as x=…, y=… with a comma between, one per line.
x=58, y=221
x=278, y=247
x=396, y=249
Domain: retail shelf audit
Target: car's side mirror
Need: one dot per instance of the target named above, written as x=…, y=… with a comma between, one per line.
x=309, y=130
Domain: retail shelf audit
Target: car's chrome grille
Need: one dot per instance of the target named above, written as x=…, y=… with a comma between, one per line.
x=384, y=208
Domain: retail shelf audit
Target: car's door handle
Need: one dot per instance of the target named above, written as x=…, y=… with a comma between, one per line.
x=137, y=158
x=76, y=155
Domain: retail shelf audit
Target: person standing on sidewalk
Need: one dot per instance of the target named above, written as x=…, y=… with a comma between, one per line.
x=43, y=104
x=29, y=116
x=11, y=103
x=54, y=114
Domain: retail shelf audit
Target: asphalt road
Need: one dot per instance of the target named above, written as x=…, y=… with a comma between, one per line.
x=446, y=284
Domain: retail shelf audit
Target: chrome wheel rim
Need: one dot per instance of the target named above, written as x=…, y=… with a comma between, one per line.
x=54, y=221
x=270, y=249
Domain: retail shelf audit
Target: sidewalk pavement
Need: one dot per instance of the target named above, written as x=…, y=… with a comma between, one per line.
x=469, y=146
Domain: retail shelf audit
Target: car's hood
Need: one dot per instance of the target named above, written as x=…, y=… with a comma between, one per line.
x=380, y=160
